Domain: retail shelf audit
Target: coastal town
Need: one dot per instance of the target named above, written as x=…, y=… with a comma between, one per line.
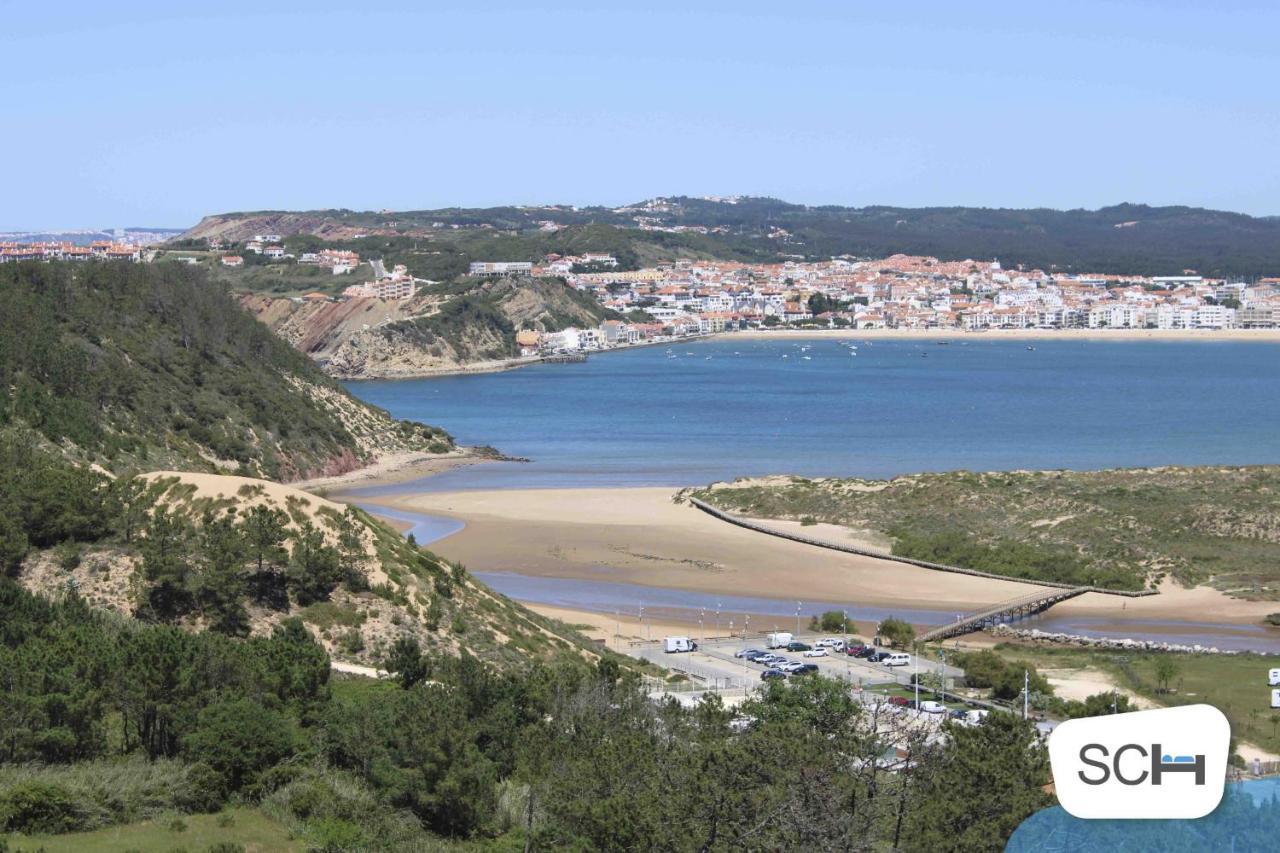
x=688, y=297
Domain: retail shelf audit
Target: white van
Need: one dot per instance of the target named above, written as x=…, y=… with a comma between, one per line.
x=678, y=644
x=897, y=659
x=780, y=640
x=1275, y=698
x=1273, y=678
x=931, y=707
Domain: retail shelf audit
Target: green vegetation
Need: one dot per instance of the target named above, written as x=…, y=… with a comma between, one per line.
x=1119, y=529
x=897, y=632
x=140, y=730
x=132, y=365
x=1235, y=684
x=235, y=830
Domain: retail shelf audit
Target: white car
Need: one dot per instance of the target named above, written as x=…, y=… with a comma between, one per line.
x=825, y=642
x=931, y=707
x=790, y=666
x=816, y=653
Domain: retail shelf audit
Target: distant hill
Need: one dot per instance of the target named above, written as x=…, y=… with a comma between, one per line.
x=1126, y=238
x=135, y=367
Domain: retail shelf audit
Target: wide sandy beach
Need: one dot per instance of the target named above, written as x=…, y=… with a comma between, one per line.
x=639, y=536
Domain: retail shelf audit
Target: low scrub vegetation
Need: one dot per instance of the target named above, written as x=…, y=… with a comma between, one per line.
x=1119, y=529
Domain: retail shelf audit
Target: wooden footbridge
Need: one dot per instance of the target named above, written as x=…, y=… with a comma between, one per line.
x=1009, y=611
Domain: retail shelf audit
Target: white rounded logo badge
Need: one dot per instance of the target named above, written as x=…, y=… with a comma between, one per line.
x=1163, y=763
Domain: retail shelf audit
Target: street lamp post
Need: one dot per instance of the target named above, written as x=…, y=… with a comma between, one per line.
x=798, y=605
x=718, y=620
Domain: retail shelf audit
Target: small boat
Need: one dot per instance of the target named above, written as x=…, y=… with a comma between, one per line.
x=807, y=358
x=1033, y=349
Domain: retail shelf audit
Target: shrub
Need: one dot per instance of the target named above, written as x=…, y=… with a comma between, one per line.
x=239, y=739
x=39, y=807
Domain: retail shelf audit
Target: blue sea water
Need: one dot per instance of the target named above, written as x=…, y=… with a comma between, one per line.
x=724, y=408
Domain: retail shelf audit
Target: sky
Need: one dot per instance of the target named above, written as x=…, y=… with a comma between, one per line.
x=155, y=114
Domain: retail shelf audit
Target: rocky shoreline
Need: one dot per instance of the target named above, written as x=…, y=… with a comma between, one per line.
x=1110, y=643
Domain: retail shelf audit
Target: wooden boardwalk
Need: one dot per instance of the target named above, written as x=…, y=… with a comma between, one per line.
x=1008, y=611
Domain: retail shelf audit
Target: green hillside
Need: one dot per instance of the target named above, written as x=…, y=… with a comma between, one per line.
x=150, y=366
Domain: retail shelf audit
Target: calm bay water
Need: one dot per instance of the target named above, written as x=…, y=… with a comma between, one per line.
x=726, y=408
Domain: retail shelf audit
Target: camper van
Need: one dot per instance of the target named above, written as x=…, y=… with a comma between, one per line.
x=1275, y=698
x=678, y=644
x=780, y=640
x=1273, y=678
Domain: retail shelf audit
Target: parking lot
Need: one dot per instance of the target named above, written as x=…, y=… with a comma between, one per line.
x=714, y=667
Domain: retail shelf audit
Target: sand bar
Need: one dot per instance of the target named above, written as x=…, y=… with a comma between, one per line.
x=639, y=536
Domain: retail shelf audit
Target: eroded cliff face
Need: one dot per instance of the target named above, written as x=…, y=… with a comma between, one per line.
x=237, y=228
x=426, y=335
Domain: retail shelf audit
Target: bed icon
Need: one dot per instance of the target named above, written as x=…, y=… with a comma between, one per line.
x=1163, y=762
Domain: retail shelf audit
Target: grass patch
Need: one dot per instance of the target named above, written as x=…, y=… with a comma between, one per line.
x=1235, y=684
x=247, y=826
x=326, y=614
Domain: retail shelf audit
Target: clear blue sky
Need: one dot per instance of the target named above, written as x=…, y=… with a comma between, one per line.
x=123, y=113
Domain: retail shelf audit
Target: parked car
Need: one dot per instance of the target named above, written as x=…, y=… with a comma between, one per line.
x=769, y=659
x=816, y=653
x=959, y=714
x=805, y=669
x=746, y=653
x=931, y=707
x=877, y=657
x=856, y=649
x=772, y=673
x=896, y=659
x=797, y=646
x=791, y=666
x=901, y=701
x=828, y=643
x=867, y=653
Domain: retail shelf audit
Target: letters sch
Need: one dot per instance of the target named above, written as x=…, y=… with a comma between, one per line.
x=1161, y=763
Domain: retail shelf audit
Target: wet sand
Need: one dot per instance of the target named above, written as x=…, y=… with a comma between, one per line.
x=639, y=536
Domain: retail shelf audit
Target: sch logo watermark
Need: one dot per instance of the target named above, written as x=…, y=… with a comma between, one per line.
x=1165, y=763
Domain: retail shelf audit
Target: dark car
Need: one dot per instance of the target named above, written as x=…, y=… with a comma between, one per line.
x=805, y=669
x=959, y=714
x=755, y=655
x=772, y=673
x=747, y=653
x=866, y=653
x=879, y=656
x=798, y=646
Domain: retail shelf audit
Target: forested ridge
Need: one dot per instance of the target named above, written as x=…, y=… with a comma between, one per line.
x=152, y=366
x=1134, y=239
